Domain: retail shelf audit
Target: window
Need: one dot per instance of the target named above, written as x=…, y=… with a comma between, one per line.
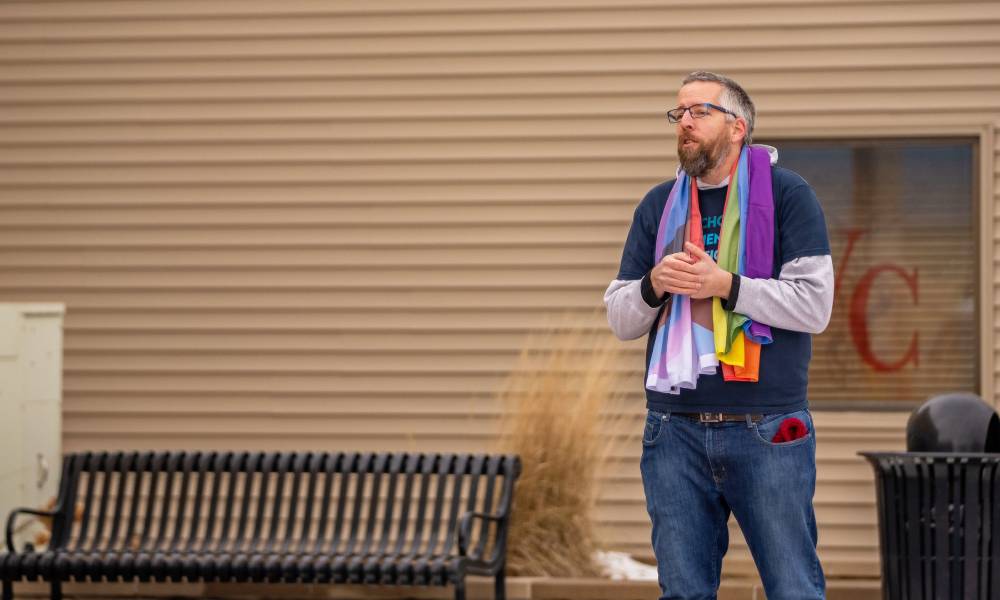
x=900, y=217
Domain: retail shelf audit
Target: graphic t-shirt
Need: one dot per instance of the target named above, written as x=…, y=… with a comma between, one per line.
x=800, y=230
x=711, y=219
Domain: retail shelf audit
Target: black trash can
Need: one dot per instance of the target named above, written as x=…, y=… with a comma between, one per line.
x=939, y=524
x=939, y=503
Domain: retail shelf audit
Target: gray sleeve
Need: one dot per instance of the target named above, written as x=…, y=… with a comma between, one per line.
x=801, y=299
x=628, y=314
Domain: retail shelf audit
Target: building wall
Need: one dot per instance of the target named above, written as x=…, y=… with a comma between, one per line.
x=332, y=224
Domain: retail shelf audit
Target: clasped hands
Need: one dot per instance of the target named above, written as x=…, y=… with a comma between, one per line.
x=692, y=273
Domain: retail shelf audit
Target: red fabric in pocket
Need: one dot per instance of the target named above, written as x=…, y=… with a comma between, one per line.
x=789, y=430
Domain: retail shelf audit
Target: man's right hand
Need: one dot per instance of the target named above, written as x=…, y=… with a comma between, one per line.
x=676, y=274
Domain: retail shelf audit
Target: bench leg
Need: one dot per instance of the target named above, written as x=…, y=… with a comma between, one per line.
x=460, y=589
x=56, y=593
x=500, y=586
x=8, y=589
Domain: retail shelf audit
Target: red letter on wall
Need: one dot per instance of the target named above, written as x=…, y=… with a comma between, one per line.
x=858, y=318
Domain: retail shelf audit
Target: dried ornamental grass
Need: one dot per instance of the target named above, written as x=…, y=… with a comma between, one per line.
x=560, y=404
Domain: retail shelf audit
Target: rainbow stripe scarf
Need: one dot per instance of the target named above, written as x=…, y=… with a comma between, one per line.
x=693, y=337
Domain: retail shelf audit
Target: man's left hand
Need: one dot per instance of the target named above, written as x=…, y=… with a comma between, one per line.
x=716, y=281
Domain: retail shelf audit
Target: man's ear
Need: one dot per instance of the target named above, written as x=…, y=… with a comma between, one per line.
x=739, y=130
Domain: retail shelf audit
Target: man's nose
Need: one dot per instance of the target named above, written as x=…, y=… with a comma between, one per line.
x=687, y=121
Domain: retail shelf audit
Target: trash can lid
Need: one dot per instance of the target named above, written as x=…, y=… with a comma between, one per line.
x=959, y=422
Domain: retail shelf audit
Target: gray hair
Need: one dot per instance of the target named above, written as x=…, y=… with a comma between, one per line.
x=733, y=98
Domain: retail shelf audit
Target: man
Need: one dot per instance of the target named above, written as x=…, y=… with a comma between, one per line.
x=728, y=430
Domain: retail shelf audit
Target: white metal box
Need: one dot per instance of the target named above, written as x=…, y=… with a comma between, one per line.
x=30, y=406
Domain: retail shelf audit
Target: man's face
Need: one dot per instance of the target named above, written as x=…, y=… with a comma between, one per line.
x=704, y=143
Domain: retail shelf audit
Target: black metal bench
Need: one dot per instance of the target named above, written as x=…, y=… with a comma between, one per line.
x=387, y=518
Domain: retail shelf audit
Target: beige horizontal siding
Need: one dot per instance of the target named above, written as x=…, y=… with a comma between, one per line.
x=333, y=225
x=990, y=317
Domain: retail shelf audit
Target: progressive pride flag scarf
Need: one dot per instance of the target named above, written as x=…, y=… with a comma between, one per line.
x=694, y=336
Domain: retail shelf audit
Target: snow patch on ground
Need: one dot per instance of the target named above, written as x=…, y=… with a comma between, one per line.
x=620, y=566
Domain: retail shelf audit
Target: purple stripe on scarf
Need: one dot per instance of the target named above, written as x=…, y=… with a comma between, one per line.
x=760, y=222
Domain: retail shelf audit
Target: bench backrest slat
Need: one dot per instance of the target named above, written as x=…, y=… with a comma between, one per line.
x=199, y=467
x=63, y=522
x=393, y=474
x=294, y=472
x=119, y=464
x=107, y=473
x=461, y=466
x=410, y=467
x=314, y=462
x=151, y=500
x=378, y=466
x=139, y=463
x=186, y=464
x=444, y=466
x=475, y=469
x=268, y=473
x=85, y=522
x=253, y=466
x=342, y=472
x=426, y=472
x=329, y=467
x=492, y=473
x=171, y=463
x=213, y=464
x=363, y=465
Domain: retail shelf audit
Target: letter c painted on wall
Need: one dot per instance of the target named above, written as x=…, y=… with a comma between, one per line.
x=858, y=318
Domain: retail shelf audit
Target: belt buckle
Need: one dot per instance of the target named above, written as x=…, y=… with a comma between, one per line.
x=707, y=417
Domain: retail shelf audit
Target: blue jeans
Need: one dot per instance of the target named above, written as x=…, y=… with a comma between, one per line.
x=695, y=474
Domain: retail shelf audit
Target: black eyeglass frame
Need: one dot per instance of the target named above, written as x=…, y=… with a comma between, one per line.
x=675, y=115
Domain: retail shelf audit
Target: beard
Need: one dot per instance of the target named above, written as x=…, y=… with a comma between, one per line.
x=701, y=158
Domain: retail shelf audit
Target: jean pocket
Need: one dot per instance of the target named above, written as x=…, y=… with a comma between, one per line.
x=766, y=429
x=655, y=425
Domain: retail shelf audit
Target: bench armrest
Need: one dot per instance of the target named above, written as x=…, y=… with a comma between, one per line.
x=465, y=536
x=13, y=517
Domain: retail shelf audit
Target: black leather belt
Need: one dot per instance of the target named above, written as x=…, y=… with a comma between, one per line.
x=710, y=417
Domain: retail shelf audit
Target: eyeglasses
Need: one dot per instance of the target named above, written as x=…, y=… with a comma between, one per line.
x=698, y=111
